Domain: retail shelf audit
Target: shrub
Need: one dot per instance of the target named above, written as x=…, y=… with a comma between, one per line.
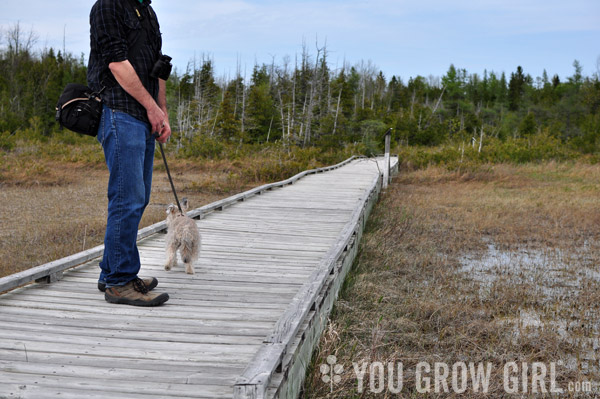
x=204, y=147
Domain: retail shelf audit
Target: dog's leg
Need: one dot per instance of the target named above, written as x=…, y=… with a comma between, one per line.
x=171, y=257
x=188, y=260
x=189, y=268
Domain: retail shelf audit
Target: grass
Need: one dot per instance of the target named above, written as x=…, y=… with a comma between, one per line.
x=51, y=215
x=495, y=265
x=54, y=193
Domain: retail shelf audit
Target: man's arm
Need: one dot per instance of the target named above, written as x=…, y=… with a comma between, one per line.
x=128, y=79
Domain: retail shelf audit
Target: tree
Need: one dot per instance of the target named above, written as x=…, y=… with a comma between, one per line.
x=453, y=84
x=555, y=81
x=528, y=126
x=261, y=111
x=516, y=89
x=577, y=77
x=227, y=124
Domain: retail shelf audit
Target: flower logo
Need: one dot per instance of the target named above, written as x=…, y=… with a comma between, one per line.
x=331, y=371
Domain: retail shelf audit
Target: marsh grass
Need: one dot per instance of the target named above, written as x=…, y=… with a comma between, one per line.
x=428, y=286
x=63, y=212
x=53, y=193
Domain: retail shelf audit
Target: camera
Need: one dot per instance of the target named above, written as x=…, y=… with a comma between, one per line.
x=162, y=68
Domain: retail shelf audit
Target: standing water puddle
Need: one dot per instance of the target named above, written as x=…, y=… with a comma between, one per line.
x=563, y=285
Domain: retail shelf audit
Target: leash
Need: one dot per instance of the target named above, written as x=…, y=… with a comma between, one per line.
x=162, y=151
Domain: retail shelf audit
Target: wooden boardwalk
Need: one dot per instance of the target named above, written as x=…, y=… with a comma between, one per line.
x=243, y=326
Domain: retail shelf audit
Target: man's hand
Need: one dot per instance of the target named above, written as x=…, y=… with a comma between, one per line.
x=157, y=118
x=164, y=133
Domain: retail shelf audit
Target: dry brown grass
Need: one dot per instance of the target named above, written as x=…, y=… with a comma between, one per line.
x=52, y=209
x=53, y=190
x=54, y=194
x=497, y=265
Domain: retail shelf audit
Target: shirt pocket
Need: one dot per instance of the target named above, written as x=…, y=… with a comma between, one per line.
x=131, y=21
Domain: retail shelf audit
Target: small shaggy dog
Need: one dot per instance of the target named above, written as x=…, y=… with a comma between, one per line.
x=182, y=235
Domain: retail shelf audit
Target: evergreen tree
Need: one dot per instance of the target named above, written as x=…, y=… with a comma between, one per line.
x=261, y=113
x=516, y=89
x=227, y=124
x=453, y=84
x=577, y=77
x=528, y=126
x=555, y=81
x=502, y=89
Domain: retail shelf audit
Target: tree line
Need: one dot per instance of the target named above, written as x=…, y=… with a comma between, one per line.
x=305, y=101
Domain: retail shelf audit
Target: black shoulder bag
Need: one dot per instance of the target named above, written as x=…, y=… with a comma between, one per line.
x=79, y=109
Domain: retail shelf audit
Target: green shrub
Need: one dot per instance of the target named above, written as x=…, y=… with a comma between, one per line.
x=7, y=141
x=536, y=148
x=202, y=146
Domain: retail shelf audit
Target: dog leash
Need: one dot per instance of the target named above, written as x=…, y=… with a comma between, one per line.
x=162, y=151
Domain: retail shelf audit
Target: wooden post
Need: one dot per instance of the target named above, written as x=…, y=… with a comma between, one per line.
x=386, y=163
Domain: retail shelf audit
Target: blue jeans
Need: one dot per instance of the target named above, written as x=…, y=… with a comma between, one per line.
x=129, y=152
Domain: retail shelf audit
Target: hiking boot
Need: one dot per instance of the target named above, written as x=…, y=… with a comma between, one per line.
x=134, y=293
x=150, y=283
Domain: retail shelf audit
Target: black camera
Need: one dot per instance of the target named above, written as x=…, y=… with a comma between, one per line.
x=162, y=68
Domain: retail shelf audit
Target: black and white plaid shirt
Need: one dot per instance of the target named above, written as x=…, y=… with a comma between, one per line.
x=114, y=28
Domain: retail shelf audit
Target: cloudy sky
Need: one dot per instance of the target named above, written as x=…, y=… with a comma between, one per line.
x=401, y=37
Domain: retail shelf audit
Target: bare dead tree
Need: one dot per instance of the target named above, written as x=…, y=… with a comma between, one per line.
x=437, y=104
x=337, y=110
x=292, y=117
x=244, y=95
x=315, y=92
x=20, y=42
x=19, y=47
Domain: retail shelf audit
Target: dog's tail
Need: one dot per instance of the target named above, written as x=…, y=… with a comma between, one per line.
x=190, y=244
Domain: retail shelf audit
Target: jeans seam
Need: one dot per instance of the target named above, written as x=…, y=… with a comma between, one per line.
x=120, y=195
x=101, y=134
x=116, y=152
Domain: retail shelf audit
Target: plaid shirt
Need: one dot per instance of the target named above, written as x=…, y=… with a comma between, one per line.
x=114, y=28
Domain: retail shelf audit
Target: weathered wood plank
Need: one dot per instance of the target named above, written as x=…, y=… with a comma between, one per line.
x=117, y=388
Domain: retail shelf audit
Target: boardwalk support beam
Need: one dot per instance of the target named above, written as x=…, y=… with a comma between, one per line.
x=51, y=278
x=386, y=162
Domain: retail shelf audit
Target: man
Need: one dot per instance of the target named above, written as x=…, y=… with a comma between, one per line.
x=125, y=44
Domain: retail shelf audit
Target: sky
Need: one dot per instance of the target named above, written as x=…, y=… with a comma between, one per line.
x=399, y=37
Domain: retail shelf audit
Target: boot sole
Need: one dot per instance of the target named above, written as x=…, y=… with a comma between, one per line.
x=159, y=300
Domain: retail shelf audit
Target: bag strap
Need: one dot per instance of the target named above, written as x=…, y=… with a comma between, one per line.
x=80, y=99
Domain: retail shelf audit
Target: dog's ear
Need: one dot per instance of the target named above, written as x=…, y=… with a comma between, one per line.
x=170, y=209
x=184, y=203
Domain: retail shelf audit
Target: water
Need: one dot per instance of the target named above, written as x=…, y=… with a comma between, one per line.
x=561, y=285
x=556, y=274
